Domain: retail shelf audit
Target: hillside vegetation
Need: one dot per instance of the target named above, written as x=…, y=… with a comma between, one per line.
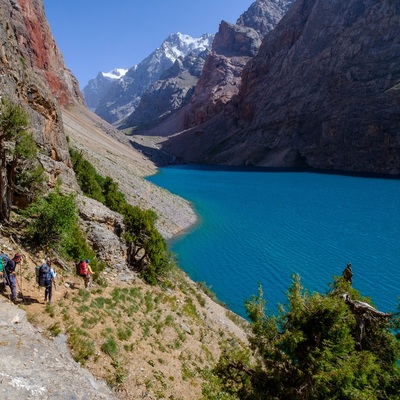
x=168, y=339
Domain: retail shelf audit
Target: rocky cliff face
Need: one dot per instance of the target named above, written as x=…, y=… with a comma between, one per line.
x=263, y=15
x=323, y=91
x=39, y=50
x=234, y=45
x=171, y=92
x=32, y=73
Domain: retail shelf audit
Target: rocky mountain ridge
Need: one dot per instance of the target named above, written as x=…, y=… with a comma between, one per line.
x=123, y=95
x=98, y=86
x=322, y=92
x=168, y=104
x=168, y=94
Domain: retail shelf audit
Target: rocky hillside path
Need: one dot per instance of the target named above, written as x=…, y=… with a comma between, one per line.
x=35, y=367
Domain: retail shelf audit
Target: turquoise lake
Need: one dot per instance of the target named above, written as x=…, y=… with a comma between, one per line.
x=262, y=227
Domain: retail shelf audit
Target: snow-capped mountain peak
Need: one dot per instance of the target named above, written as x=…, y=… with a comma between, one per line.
x=116, y=73
x=129, y=85
x=180, y=45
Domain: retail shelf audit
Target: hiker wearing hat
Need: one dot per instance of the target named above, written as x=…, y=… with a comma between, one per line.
x=11, y=277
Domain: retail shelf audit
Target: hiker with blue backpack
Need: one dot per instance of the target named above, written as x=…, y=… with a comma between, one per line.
x=10, y=275
x=45, y=279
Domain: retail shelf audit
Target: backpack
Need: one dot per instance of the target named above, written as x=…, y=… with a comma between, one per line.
x=81, y=268
x=4, y=259
x=45, y=278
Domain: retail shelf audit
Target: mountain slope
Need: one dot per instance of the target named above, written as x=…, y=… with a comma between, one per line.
x=99, y=86
x=233, y=46
x=123, y=96
x=322, y=92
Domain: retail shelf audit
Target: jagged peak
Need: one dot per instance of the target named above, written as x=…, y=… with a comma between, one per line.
x=116, y=73
x=180, y=45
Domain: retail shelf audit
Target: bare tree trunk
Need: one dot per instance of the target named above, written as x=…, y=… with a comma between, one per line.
x=363, y=312
x=5, y=208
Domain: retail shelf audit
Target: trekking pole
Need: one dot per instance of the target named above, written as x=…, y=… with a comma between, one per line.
x=20, y=289
x=20, y=284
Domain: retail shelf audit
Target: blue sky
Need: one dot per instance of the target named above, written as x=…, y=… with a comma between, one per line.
x=99, y=35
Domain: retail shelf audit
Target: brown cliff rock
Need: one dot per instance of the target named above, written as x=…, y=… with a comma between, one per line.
x=32, y=73
x=39, y=49
x=322, y=92
x=233, y=46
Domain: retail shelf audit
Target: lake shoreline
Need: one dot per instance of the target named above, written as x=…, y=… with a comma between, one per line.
x=311, y=223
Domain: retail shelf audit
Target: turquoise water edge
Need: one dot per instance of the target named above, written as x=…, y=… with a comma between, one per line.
x=258, y=226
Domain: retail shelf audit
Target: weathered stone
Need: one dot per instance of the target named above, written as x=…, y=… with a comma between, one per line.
x=33, y=74
x=34, y=367
x=103, y=228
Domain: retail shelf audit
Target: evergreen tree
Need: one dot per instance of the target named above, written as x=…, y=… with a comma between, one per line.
x=311, y=350
x=147, y=248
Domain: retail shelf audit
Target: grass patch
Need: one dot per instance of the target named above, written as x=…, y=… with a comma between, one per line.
x=124, y=334
x=110, y=347
x=81, y=345
x=55, y=329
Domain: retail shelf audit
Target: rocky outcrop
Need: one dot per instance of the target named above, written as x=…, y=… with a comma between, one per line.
x=234, y=45
x=103, y=229
x=35, y=367
x=322, y=92
x=264, y=15
x=171, y=92
x=33, y=74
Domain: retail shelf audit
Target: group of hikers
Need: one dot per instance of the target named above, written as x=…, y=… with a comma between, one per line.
x=45, y=275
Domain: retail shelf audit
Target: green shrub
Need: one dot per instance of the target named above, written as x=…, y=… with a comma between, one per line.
x=110, y=347
x=114, y=199
x=20, y=171
x=54, y=218
x=81, y=344
x=147, y=249
x=88, y=179
x=124, y=334
x=55, y=329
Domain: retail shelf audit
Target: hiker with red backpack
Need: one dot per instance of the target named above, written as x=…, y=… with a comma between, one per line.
x=84, y=270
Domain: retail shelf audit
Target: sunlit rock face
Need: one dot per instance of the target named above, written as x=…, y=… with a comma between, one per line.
x=33, y=74
x=323, y=91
